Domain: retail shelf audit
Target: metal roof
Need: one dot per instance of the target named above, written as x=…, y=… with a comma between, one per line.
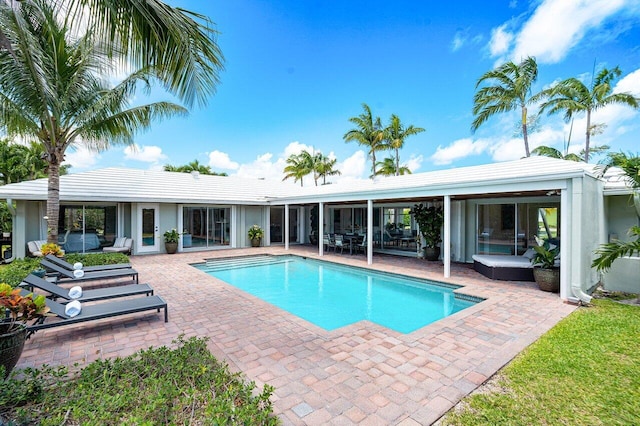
x=134, y=185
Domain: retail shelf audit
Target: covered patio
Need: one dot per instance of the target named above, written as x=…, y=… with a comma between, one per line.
x=359, y=374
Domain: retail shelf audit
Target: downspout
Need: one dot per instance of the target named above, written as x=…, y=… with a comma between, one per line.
x=581, y=295
x=13, y=229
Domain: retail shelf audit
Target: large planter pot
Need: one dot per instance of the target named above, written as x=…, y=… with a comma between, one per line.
x=171, y=248
x=11, y=344
x=547, y=279
x=432, y=253
x=255, y=242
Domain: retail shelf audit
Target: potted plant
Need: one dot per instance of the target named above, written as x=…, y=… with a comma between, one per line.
x=255, y=235
x=13, y=330
x=7, y=227
x=545, y=270
x=171, y=240
x=430, y=220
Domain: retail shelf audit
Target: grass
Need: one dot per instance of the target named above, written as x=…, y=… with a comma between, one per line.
x=157, y=386
x=584, y=371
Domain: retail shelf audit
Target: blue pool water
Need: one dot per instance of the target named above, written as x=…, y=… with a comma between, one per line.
x=333, y=296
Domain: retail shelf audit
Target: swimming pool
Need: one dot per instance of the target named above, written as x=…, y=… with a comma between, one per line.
x=333, y=296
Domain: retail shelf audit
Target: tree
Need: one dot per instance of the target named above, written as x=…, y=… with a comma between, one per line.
x=368, y=133
x=52, y=79
x=325, y=166
x=193, y=166
x=608, y=253
x=511, y=90
x=297, y=167
x=547, y=151
x=395, y=135
x=387, y=167
x=572, y=96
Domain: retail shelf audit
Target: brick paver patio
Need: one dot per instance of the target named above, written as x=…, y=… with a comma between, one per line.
x=360, y=374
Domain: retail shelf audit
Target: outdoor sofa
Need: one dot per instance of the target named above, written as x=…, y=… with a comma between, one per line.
x=504, y=267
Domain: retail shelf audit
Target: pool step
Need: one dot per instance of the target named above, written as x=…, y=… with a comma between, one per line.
x=242, y=262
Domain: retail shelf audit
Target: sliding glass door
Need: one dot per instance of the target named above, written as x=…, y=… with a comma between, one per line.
x=206, y=227
x=86, y=228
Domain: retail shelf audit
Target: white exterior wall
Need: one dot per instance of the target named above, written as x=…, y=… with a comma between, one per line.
x=624, y=272
x=582, y=230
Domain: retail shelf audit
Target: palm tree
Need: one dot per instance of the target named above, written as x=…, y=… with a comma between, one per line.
x=193, y=166
x=547, y=151
x=573, y=96
x=325, y=166
x=368, y=133
x=511, y=91
x=395, y=135
x=608, y=253
x=297, y=167
x=388, y=167
x=52, y=89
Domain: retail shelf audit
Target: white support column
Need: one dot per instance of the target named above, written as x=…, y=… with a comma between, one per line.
x=320, y=228
x=566, y=262
x=286, y=226
x=446, y=257
x=369, y=232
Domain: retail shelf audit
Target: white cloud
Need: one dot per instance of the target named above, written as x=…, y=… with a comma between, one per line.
x=81, y=158
x=458, y=149
x=459, y=40
x=555, y=27
x=500, y=40
x=414, y=163
x=629, y=83
x=221, y=160
x=147, y=153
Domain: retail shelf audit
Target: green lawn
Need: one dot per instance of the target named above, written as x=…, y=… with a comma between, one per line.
x=585, y=371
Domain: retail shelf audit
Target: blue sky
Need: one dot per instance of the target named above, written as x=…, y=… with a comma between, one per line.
x=295, y=71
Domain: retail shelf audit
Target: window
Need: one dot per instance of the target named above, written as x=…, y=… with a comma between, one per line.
x=511, y=228
x=86, y=228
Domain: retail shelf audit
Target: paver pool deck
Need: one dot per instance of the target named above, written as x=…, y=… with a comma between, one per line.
x=360, y=374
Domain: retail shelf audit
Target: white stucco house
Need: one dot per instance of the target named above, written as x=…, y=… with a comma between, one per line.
x=492, y=208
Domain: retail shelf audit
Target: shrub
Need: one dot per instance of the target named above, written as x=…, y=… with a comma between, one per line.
x=184, y=385
x=94, y=259
x=14, y=273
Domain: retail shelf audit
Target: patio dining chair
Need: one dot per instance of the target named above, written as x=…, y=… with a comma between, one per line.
x=339, y=244
x=32, y=281
x=328, y=242
x=362, y=246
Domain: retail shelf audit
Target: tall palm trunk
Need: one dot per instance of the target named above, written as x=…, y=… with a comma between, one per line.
x=587, y=137
x=373, y=166
x=53, y=202
x=525, y=135
x=397, y=162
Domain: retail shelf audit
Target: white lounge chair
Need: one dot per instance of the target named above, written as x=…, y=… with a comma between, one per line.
x=120, y=245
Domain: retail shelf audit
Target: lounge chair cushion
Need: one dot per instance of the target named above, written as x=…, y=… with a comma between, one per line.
x=35, y=247
x=119, y=242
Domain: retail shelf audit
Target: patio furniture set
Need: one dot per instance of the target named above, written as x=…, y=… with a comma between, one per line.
x=354, y=242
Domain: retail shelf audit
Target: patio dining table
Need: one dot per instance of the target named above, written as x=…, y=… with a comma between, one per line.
x=354, y=240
